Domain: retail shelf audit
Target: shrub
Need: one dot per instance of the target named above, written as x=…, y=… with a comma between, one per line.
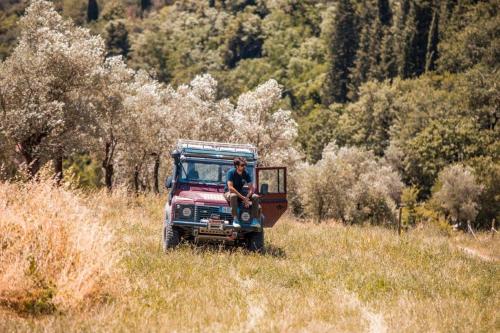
x=54, y=252
x=457, y=192
x=409, y=200
x=487, y=174
x=351, y=185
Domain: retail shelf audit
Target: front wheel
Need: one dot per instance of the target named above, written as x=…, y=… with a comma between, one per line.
x=171, y=237
x=255, y=241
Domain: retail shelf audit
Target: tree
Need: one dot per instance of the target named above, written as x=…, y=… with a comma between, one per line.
x=359, y=72
x=384, y=12
x=365, y=188
x=145, y=5
x=92, y=11
x=376, y=37
x=388, y=61
x=44, y=86
x=471, y=38
x=244, y=40
x=116, y=39
x=457, y=193
x=432, y=44
x=367, y=122
x=487, y=174
x=407, y=63
x=271, y=132
x=317, y=130
x=111, y=131
x=342, y=45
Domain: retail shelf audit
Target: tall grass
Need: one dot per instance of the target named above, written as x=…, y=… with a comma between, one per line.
x=312, y=278
x=55, y=253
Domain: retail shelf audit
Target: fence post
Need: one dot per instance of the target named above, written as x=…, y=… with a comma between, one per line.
x=399, y=220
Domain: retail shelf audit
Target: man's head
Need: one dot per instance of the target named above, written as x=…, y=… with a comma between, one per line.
x=240, y=164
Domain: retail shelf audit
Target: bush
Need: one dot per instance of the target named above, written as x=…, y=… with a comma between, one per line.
x=409, y=201
x=54, y=252
x=487, y=174
x=351, y=185
x=457, y=192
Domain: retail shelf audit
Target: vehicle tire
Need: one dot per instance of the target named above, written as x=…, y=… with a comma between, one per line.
x=255, y=241
x=171, y=237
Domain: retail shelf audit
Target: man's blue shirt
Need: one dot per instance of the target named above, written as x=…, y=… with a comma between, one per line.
x=238, y=180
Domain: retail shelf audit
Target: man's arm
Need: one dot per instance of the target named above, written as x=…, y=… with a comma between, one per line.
x=250, y=190
x=250, y=185
x=233, y=190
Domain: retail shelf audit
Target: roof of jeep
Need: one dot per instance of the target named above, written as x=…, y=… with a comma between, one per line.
x=192, y=148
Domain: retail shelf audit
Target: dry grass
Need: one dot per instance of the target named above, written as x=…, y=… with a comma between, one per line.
x=54, y=252
x=313, y=278
x=485, y=245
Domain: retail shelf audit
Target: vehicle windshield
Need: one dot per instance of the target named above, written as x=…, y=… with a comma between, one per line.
x=207, y=172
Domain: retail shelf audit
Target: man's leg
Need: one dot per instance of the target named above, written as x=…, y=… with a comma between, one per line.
x=255, y=211
x=234, y=205
x=232, y=200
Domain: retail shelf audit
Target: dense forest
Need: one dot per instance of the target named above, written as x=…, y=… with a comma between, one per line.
x=370, y=85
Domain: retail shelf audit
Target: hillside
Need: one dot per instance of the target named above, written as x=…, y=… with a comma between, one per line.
x=381, y=111
x=315, y=278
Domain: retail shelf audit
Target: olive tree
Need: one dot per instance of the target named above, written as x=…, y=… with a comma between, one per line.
x=273, y=133
x=457, y=193
x=111, y=117
x=44, y=86
x=361, y=187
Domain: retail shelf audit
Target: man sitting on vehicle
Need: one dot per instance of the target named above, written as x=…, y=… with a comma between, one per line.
x=237, y=177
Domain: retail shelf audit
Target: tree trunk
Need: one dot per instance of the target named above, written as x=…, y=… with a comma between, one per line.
x=108, y=176
x=58, y=169
x=136, y=178
x=26, y=150
x=32, y=163
x=156, y=171
x=107, y=165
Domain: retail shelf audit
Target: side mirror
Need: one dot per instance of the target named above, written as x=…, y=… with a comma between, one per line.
x=264, y=188
x=168, y=182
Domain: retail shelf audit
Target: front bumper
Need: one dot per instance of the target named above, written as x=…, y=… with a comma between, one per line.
x=204, y=225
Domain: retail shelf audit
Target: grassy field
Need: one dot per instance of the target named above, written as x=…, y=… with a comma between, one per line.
x=312, y=278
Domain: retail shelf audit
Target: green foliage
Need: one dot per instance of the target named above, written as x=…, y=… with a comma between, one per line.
x=83, y=171
x=92, y=11
x=487, y=172
x=244, y=39
x=432, y=44
x=116, y=39
x=388, y=62
x=471, y=38
x=317, y=130
x=456, y=194
x=363, y=188
x=342, y=45
x=409, y=204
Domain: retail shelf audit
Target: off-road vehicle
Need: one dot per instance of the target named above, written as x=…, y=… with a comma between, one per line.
x=196, y=209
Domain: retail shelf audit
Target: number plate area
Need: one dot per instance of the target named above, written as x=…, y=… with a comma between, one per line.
x=215, y=227
x=225, y=210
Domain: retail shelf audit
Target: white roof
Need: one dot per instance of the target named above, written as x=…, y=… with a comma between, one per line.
x=217, y=146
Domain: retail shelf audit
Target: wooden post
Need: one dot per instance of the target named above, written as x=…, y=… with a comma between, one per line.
x=493, y=229
x=399, y=220
x=469, y=226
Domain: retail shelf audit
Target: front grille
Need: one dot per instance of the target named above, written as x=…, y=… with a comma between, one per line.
x=205, y=212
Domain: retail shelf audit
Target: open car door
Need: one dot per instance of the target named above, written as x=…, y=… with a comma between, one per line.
x=271, y=187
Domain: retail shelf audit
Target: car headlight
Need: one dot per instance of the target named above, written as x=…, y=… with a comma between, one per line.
x=245, y=216
x=187, y=211
x=184, y=212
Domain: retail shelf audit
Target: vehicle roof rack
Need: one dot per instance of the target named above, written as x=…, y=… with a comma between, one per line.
x=217, y=147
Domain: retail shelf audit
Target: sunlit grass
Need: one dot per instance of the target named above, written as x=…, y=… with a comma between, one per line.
x=318, y=278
